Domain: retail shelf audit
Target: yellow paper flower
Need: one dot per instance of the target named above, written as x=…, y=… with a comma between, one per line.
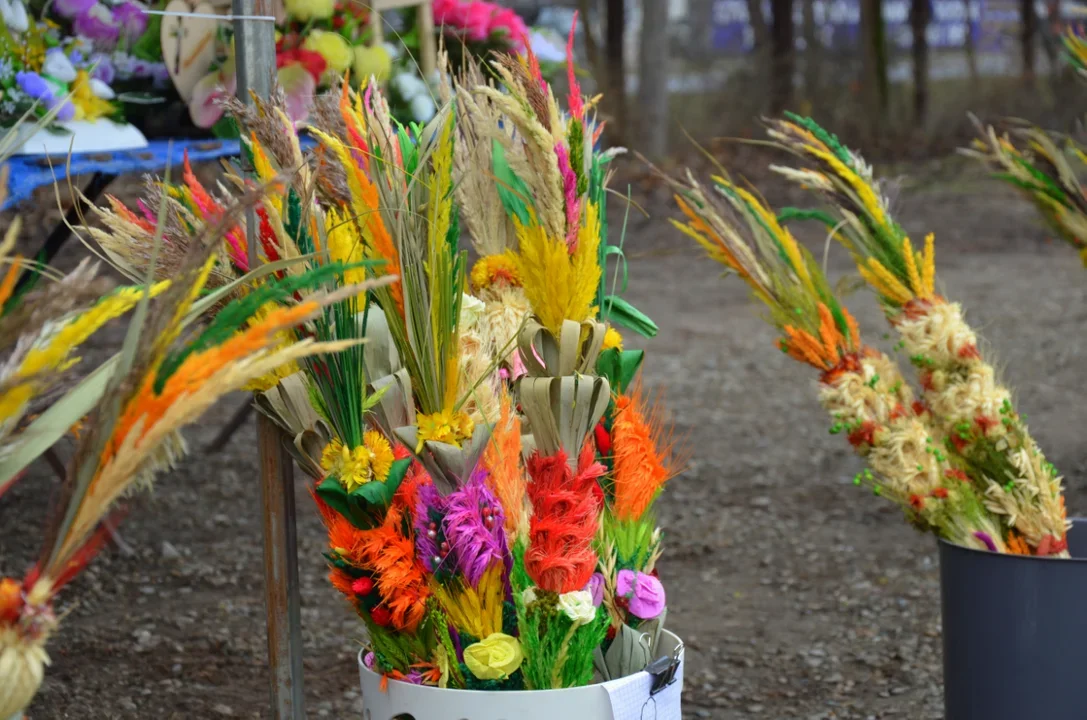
x=88, y=106
x=612, y=339
x=371, y=62
x=332, y=47
x=357, y=466
x=494, y=658
x=446, y=427
x=310, y=9
x=492, y=269
x=381, y=455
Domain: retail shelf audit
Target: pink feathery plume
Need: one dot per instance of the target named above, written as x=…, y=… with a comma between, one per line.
x=577, y=104
x=573, y=204
x=146, y=211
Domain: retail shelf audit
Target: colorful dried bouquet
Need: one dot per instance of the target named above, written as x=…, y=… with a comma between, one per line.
x=486, y=462
x=957, y=457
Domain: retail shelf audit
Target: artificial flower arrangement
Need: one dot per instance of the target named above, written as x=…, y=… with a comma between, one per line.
x=486, y=463
x=957, y=457
x=44, y=72
x=165, y=377
x=320, y=41
x=1043, y=166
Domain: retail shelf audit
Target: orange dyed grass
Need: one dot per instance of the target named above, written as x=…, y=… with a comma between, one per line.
x=644, y=449
x=825, y=350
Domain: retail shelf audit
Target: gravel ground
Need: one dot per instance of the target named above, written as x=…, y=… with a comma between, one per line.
x=799, y=596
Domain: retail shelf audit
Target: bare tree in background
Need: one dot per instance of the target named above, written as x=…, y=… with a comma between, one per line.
x=920, y=17
x=874, y=41
x=758, y=25
x=813, y=53
x=782, y=56
x=615, y=23
x=1028, y=21
x=969, y=44
x=653, y=80
x=609, y=64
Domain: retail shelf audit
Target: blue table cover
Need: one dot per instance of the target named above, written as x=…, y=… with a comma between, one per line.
x=26, y=173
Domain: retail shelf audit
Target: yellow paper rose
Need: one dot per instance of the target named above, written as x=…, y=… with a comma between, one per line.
x=332, y=47
x=495, y=658
x=372, y=62
x=305, y=10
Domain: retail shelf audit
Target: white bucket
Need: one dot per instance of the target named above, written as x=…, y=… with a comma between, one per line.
x=623, y=699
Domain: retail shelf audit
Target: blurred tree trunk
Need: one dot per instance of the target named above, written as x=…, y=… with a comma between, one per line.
x=758, y=25
x=969, y=46
x=920, y=16
x=813, y=55
x=1029, y=22
x=615, y=78
x=653, y=80
x=874, y=41
x=782, y=56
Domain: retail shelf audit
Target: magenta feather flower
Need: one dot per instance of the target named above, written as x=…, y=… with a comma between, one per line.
x=573, y=205
x=474, y=527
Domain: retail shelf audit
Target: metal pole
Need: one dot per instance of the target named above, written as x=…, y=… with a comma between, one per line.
x=254, y=44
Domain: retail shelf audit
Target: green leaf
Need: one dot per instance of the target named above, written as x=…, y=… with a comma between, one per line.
x=512, y=191
x=333, y=493
x=622, y=313
x=619, y=367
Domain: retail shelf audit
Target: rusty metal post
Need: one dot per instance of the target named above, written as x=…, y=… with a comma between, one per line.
x=281, y=588
x=254, y=38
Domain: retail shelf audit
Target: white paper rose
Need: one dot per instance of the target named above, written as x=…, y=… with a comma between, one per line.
x=578, y=606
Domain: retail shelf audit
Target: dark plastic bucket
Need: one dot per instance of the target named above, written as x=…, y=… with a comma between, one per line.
x=1015, y=633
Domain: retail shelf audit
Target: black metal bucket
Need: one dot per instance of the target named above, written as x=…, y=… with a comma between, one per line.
x=1015, y=633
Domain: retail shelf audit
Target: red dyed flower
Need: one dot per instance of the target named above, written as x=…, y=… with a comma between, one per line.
x=603, y=440
x=381, y=616
x=939, y=493
x=917, y=502
x=312, y=62
x=362, y=586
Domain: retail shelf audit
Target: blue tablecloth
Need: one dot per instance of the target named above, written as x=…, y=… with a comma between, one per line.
x=26, y=173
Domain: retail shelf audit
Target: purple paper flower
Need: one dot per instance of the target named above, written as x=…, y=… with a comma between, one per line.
x=644, y=593
x=72, y=8
x=596, y=588
x=130, y=16
x=97, y=23
x=66, y=112
x=103, y=68
x=368, y=660
x=34, y=85
x=76, y=57
x=430, y=542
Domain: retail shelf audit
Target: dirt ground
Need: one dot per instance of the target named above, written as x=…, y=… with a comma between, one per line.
x=799, y=595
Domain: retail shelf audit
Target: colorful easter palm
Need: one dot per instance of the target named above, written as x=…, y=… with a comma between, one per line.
x=973, y=413
x=862, y=388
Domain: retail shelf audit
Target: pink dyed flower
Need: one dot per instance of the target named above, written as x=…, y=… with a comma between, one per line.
x=644, y=593
x=449, y=13
x=477, y=23
x=509, y=23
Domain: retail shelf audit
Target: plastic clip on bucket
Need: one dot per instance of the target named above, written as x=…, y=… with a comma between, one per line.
x=643, y=696
x=1015, y=633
